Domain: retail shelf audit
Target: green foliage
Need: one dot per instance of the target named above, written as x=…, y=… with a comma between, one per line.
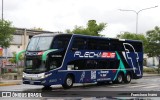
x=153, y=37
x=6, y=31
x=13, y=59
x=149, y=70
x=92, y=29
x=132, y=36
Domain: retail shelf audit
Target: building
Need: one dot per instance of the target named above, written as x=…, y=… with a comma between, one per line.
x=21, y=38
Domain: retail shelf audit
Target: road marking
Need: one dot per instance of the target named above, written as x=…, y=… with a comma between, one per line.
x=134, y=86
x=119, y=85
x=147, y=87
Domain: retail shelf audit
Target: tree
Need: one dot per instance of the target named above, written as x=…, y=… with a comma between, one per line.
x=92, y=29
x=133, y=36
x=13, y=59
x=6, y=33
x=153, y=37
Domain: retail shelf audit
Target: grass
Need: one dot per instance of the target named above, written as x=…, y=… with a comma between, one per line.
x=150, y=70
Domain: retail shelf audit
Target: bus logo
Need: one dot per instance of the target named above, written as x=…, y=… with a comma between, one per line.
x=94, y=54
x=108, y=55
x=132, y=57
x=87, y=54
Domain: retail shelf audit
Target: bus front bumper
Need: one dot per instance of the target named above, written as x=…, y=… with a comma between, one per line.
x=35, y=79
x=35, y=82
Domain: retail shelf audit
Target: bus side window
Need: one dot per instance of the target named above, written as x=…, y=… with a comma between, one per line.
x=114, y=64
x=92, y=44
x=97, y=44
x=78, y=64
x=78, y=44
x=116, y=45
x=103, y=64
x=61, y=42
x=91, y=64
x=103, y=45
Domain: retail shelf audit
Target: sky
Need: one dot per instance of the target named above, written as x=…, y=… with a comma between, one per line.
x=59, y=15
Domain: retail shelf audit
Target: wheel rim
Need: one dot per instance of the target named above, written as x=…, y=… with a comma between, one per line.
x=128, y=77
x=120, y=78
x=69, y=81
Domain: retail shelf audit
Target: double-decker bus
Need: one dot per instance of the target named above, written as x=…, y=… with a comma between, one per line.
x=65, y=59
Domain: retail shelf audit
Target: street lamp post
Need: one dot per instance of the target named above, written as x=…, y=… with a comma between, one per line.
x=2, y=11
x=137, y=13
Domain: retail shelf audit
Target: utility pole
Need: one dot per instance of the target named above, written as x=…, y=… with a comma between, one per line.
x=2, y=11
x=137, y=13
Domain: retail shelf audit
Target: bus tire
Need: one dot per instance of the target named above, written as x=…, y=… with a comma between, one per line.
x=127, y=78
x=68, y=83
x=119, y=79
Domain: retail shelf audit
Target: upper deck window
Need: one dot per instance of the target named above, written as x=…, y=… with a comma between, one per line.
x=39, y=43
x=79, y=43
x=61, y=42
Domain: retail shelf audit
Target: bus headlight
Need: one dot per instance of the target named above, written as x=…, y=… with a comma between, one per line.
x=48, y=74
x=42, y=75
x=23, y=75
x=36, y=76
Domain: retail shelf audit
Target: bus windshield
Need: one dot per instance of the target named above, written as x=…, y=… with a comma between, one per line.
x=39, y=43
x=34, y=65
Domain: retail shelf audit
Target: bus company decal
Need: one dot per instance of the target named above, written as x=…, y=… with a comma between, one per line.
x=53, y=80
x=108, y=54
x=82, y=76
x=94, y=54
x=103, y=73
x=93, y=75
x=121, y=66
x=87, y=54
x=133, y=58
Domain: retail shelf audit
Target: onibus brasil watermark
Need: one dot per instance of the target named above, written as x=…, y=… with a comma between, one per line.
x=21, y=94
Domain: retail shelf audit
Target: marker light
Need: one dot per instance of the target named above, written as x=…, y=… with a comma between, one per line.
x=40, y=53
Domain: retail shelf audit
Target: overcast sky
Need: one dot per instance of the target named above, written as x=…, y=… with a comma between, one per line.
x=59, y=15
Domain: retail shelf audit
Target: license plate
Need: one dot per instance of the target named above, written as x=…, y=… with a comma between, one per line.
x=31, y=82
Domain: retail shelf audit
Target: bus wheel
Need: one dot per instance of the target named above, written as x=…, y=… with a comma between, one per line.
x=127, y=78
x=119, y=79
x=68, y=83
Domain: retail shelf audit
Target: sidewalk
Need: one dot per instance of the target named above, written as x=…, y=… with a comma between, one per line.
x=10, y=82
x=19, y=82
x=148, y=75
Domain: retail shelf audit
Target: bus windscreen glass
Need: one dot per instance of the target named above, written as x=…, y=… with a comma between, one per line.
x=39, y=43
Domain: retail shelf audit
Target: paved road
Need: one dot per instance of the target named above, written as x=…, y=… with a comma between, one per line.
x=145, y=84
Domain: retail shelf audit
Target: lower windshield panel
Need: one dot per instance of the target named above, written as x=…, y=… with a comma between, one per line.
x=34, y=65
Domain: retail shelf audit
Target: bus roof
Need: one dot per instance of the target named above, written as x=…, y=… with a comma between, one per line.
x=48, y=34
x=89, y=36
x=128, y=40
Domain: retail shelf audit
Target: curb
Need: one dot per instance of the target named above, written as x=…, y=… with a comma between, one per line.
x=150, y=75
x=9, y=84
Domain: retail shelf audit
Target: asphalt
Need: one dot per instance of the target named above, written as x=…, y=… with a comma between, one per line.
x=19, y=82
